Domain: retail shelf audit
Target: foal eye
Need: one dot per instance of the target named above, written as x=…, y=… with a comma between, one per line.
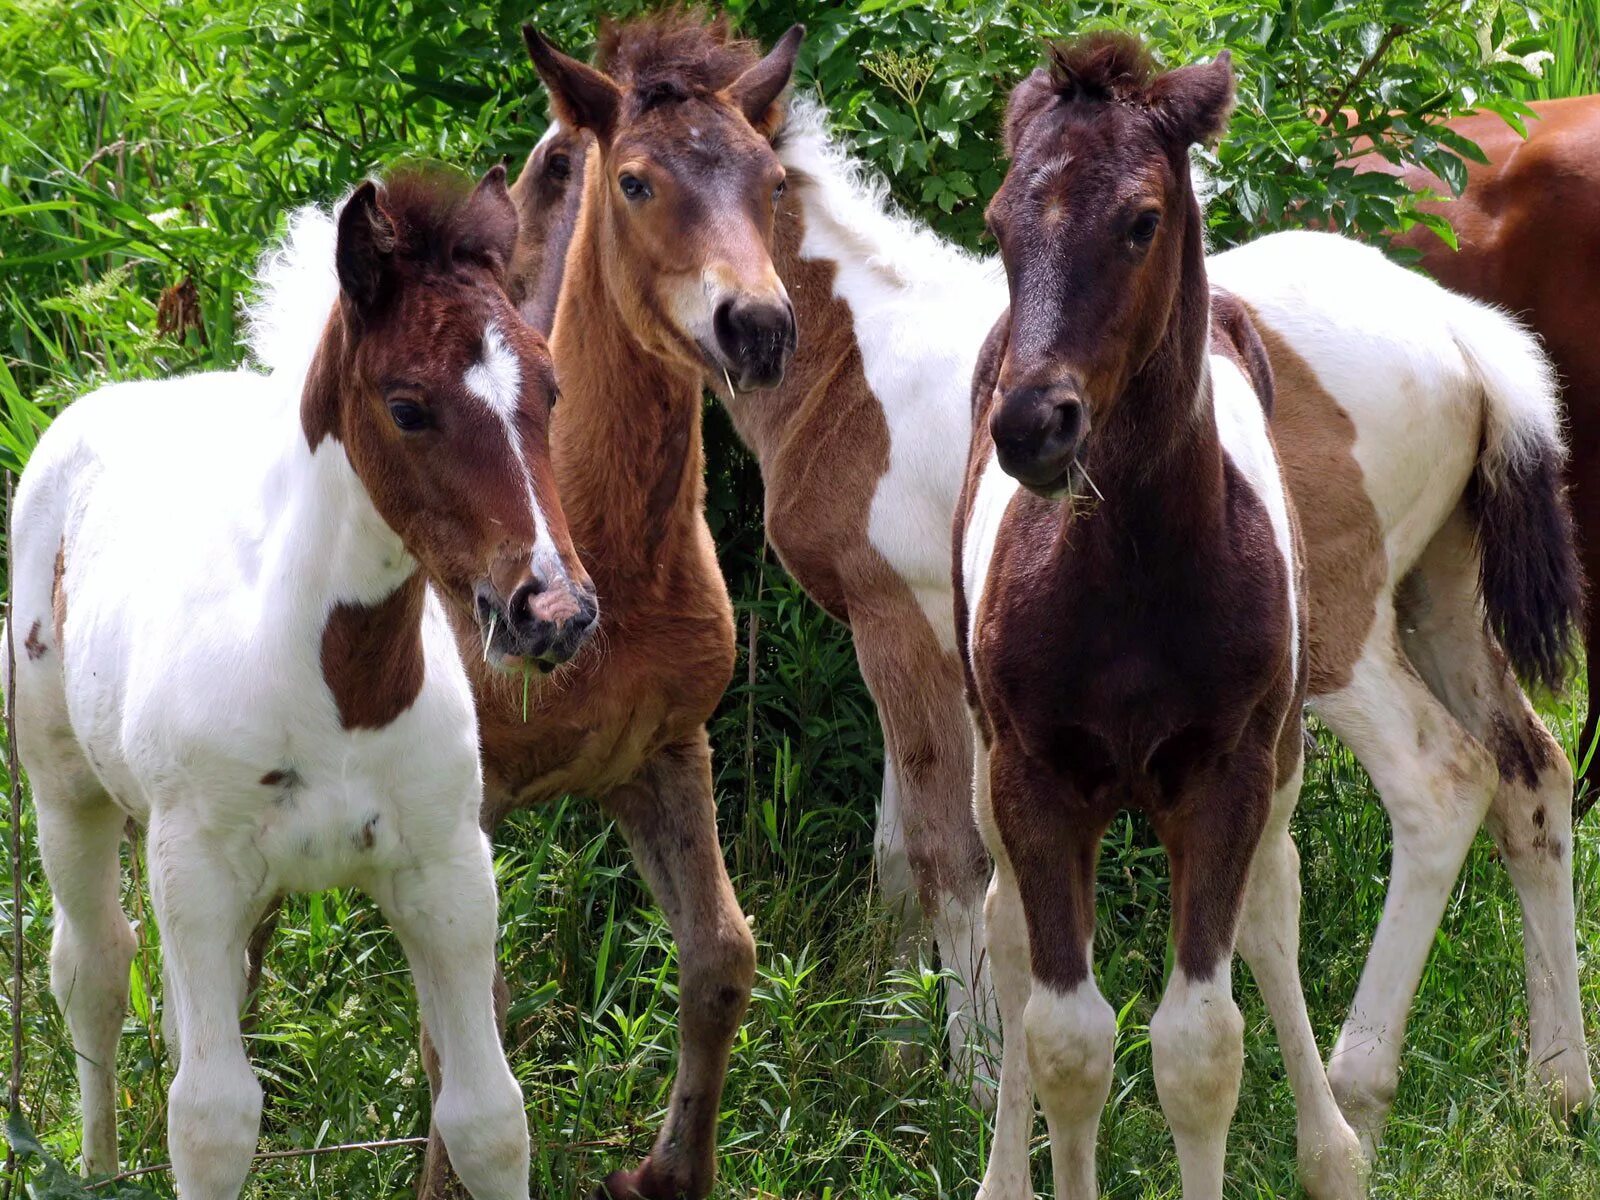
x=560, y=167
x=408, y=416
x=777, y=192
x=634, y=188
x=1144, y=227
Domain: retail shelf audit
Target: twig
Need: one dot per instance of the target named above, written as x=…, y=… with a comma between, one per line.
x=14, y=1086
x=275, y=1155
x=1367, y=64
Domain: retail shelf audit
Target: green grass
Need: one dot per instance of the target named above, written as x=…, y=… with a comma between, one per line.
x=824, y=1099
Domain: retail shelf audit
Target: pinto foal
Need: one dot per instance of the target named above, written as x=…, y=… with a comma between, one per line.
x=224, y=583
x=1134, y=617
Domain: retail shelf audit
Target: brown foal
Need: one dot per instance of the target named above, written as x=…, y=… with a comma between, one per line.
x=668, y=274
x=1133, y=617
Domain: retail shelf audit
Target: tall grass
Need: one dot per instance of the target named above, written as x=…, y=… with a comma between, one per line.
x=1573, y=29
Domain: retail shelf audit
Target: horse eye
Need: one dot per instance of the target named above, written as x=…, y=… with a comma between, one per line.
x=560, y=167
x=634, y=188
x=777, y=192
x=1144, y=227
x=410, y=417
x=555, y=394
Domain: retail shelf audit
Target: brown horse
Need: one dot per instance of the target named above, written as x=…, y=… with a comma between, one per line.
x=1528, y=228
x=1134, y=615
x=668, y=275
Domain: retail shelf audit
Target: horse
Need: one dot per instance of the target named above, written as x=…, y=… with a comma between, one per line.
x=668, y=275
x=238, y=591
x=1386, y=387
x=1528, y=239
x=1134, y=635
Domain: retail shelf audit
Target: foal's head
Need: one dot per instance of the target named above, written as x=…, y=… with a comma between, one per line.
x=1097, y=223
x=683, y=185
x=547, y=195
x=440, y=395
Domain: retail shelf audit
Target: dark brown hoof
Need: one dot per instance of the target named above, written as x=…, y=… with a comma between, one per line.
x=642, y=1183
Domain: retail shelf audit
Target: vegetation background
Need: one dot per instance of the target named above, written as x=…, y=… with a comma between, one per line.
x=149, y=148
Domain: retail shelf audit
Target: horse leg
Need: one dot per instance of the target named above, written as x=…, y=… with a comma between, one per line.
x=895, y=884
x=1211, y=835
x=670, y=821
x=438, y=1180
x=80, y=830
x=919, y=694
x=1580, y=363
x=1436, y=782
x=444, y=913
x=1007, y=1176
x=214, y=1107
x=1530, y=818
x=1069, y=1030
x=1330, y=1160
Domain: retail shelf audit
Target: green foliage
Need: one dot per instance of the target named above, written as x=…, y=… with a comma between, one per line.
x=146, y=143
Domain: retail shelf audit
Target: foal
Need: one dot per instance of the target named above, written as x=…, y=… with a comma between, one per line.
x=1134, y=616
x=231, y=636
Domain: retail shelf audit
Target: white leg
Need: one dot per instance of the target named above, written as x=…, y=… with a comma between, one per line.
x=92, y=949
x=1330, y=1158
x=1008, y=1176
x=1436, y=782
x=214, y=1108
x=1197, y=1044
x=958, y=925
x=895, y=884
x=1530, y=814
x=444, y=912
x=1071, y=1042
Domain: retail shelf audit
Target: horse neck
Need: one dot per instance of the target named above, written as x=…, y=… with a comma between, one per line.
x=326, y=542
x=625, y=438
x=1159, y=459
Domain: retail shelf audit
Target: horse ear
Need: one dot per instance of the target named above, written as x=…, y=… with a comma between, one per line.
x=581, y=96
x=365, y=243
x=756, y=91
x=1193, y=103
x=1028, y=99
x=492, y=220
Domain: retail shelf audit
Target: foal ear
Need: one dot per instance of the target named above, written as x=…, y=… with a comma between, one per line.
x=491, y=225
x=365, y=244
x=581, y=96
x=756, y=91
x=1193, y=103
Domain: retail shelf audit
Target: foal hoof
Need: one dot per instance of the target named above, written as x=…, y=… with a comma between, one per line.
x=1336, y=1166
x=644, y=1182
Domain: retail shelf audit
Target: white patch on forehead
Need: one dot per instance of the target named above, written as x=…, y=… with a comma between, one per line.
x=496, y=378
x=550, y=133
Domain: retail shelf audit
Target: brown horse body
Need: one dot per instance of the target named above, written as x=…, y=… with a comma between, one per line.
x=635, y=328
x=1528, y=228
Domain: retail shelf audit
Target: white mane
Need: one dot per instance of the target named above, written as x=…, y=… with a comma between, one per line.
x=296, y=289
x=854, y=200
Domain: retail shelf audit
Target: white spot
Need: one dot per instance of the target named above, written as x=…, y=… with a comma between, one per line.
x=995, y=490
x=496, y=378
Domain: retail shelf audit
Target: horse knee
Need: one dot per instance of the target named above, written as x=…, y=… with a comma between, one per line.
x=1071, y=1038
x=485, y=1129
x=1197, y=1045
x=717, y=979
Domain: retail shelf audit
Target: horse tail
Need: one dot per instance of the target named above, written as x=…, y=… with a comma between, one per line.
x=1529, y=575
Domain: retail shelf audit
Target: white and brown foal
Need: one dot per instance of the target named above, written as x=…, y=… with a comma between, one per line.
x=1130, y=595
x=223, y=587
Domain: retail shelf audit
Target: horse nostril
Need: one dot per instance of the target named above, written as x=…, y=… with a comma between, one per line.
x=1068, y=420
x=519, y=609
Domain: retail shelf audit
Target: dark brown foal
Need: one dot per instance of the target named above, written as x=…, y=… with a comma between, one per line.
x=1133, y=619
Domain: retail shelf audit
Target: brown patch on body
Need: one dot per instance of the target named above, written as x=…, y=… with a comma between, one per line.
x=34, y=646
x=372, y=656
x=1522, y=755
x=1346, y=566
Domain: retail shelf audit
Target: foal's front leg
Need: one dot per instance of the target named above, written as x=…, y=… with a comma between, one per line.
x=444, y=912
x=205, y=911
x=1197, y=1033
x=670, y=820
x=1051, y=840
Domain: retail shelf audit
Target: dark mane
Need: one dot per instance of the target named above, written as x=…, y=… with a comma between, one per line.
x=435, y=222
x=673, y=55
x=1105, y=65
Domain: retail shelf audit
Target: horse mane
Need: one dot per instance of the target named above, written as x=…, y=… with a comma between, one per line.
x=673, y=55
x=296, y=285
x=1107, y=64
x=854, y=200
